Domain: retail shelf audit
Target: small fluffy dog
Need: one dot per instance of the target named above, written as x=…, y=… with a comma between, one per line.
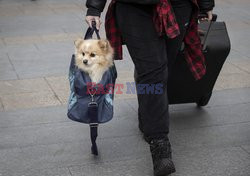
x=93, y=57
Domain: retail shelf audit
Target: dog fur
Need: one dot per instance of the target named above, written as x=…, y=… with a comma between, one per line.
x=93, y=57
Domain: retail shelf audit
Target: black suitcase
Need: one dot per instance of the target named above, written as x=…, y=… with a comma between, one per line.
x=182, y=87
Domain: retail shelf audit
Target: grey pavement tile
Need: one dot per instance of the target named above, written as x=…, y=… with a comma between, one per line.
x=59, y=37
x=60, y=86
x=5, y=4
x=37, y=172
x=22, y=54
x=243, y=65
x=55, y=132
x=64, y=6
x=228, y=161
x=217, y=86
x=124, y=65
x=75, y=153
x=224, y=135
x=77, y=13
x=229, y=68
x=122, y=109
x=232, y=81
x=29, y=100
x=5, y=64
x=29, y=36
x=125, y=96
x=21, y=40
x=21, y=25
x=240, y=42
x=18, y=50
x=203, y=161
x=246, y=148
x=79, y=27
x=55, y=47
x=125, y=76
x=10, y=10
x=3, y=58
x=23, y=86
x=58, y=83
x=2, y=44
x=235, y=56
x=41, y=65
x=230, y=97
x=10, y=158
x=52, y=156
x=243, y=48
x=8, y=75
x=69, y=154
x=47, y=70
x=36, y=10
x=38, y=53
x=194, y=117
x=1, y=105
x=131, y=167
x=74, y=36
x=63, y=96
x=45, y=172
x=34, y=116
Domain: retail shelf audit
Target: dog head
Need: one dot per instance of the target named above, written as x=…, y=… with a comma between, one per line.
x=91, y=52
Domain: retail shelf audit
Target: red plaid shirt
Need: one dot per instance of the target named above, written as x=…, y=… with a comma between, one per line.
x=165, y=22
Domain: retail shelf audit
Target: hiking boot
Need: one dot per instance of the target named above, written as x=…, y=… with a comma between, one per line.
x=162, y=157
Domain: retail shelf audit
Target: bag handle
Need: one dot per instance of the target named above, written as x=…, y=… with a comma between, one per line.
x=90, y=32
x=204, y=41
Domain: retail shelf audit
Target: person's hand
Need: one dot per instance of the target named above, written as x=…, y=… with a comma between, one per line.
x=209, y=16
x=89, y=20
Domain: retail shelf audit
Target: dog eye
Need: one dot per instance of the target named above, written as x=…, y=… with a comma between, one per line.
x=83, y=54
x=92, y=55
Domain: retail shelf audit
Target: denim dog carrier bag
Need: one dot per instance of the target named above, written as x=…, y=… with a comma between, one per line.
x=87, y=104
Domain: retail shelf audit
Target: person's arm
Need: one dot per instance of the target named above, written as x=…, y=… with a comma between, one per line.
x=95, y=8
x=206, y=6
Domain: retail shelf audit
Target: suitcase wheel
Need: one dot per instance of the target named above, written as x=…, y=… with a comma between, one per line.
x=204, y=100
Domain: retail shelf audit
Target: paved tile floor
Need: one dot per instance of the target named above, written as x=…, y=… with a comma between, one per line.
x=37, y=139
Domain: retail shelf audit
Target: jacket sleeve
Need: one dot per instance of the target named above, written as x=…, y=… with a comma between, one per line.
x=95, y=7
x=206, y=5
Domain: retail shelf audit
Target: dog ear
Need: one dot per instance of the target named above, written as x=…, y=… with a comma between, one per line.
x=78, y=42
x=104, y=44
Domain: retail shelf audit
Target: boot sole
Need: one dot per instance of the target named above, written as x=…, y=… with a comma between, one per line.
x=165, y=170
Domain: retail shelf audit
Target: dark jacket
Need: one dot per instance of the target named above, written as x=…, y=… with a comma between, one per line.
x=95, y=7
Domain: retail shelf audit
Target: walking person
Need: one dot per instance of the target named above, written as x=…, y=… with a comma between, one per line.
x=153, y=31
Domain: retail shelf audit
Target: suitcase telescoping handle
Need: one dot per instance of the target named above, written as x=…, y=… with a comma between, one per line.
x=204, y=42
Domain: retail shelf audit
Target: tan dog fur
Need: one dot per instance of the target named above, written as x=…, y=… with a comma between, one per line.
x=93, y=57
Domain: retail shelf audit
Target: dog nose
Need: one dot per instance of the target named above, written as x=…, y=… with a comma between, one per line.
x=85, y=61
